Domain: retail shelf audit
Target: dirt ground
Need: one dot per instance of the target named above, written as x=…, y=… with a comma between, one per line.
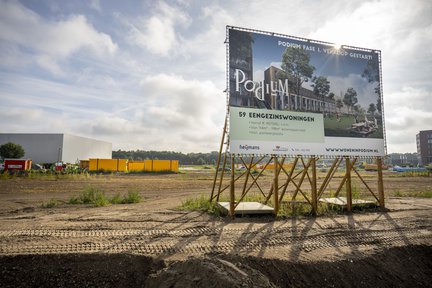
x=153, y=244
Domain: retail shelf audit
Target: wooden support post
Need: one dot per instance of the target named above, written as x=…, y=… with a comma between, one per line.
x=348, y=183
x=218, y=160
x=232, y=189
x=248, y=171
x=380, y=183
x=314, y=187
x=329, y=176
x=222, y=176
x=275, y=186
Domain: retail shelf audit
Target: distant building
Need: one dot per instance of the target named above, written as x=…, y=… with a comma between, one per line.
x=402, y=159
x=424, y=147
x=50, y=148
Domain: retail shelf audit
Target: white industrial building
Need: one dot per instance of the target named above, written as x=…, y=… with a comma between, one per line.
x=50, y=148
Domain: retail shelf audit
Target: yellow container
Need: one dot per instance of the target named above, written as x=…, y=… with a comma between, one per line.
x=108, y=164
x=136, y=166
x=174, y=165
x=165, y=165
x=287, y=167
x=148, y=165
x=124, y=165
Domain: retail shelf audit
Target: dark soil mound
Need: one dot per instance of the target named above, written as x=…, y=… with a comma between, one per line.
x=409, y=266
x=75, y=270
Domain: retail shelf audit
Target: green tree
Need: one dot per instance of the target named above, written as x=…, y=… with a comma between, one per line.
x=331, y=96
x=371, y=74
x=350, y=98
x=321, y=86
x=11, y=150
x=201, y=161
x=295, y=63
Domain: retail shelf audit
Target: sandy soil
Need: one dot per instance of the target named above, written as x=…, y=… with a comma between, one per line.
x=154, y=244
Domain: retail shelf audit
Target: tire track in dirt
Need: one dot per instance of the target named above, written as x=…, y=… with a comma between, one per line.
x=197, y=240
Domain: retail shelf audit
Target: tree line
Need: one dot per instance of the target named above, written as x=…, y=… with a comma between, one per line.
x=184, y=159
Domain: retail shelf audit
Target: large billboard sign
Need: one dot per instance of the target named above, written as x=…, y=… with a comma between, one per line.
x=295, y=96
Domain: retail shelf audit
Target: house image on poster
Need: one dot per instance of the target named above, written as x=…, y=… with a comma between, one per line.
x=305, y=100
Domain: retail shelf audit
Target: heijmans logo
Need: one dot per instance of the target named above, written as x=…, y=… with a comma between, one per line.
x=249, y=147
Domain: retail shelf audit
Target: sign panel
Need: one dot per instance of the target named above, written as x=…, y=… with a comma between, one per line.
x=294, y=96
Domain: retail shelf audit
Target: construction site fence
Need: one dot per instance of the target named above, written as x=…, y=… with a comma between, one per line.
x=124, y=165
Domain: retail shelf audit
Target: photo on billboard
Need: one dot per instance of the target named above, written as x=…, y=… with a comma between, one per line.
x=274, y=79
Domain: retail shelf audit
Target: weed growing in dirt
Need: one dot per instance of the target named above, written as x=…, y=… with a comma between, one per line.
x=132, y=197
x=5, y=175
x=50, y=204
x=398, y=193
x=355, y=192
x=92, y=195
x=116, y=199
x=420, y=194
x=426, y=194
x=305, y=209
x=411, y=174
x=202, y=203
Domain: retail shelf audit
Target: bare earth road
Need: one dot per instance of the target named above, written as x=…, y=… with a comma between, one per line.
x=192, y=245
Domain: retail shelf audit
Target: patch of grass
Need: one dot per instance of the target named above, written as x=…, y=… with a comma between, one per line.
x=300, y=208
x=291, y=209
x=74, y=200
x=410, y=174
x=5, y=175
x=201, y=203
x=116, y=199
x=92, y=195
x=419, y=194
x=398, y=193
x=50, y=204
x=355, y=192
x=132, y=197
x=425, y=194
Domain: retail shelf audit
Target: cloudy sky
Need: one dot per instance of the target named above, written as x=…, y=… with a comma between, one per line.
x=151, y=74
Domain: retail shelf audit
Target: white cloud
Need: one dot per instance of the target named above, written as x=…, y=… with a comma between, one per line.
x=51, y=41
x=174, y=102
x=114, y=126
x=407, y=112
x=158, y=32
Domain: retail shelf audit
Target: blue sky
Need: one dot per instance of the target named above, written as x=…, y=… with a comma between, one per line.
x=151, y=74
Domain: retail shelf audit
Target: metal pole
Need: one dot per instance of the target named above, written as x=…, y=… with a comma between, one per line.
x=348, y=183
x=275, y=186
x=380, y=183
x=232, y=190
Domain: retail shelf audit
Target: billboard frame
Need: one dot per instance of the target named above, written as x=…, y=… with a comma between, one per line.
x=227, y=161
x=344, y=152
